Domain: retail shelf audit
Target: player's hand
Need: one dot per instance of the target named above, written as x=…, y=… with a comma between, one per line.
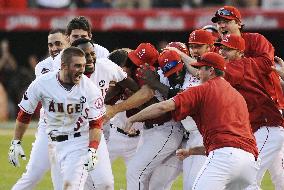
x=173, y=49
x=182, y=154
x=128, y=126
x=150, y=76
x=92, y=159
x=15, y=151
x=280, y=69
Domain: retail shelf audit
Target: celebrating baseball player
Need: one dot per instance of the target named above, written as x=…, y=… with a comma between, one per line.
x=35, y=169
x=218, y=110
x=246, y=75
x=73, y=106
x=228, y=20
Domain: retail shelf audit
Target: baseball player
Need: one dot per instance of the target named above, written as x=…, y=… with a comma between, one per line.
x=72, y=105
x=79, y=27
x=102, y=72
x=120, y=143
x=159, y=141
x=35, y=169
x=228, y=20
x=199, y=42
x=246, y=75
x=218, y=110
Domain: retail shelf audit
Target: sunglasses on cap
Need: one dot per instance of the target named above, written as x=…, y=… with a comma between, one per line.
x=224, y=12
x=169, y=66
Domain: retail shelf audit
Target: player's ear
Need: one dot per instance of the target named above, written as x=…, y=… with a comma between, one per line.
x=63, y=65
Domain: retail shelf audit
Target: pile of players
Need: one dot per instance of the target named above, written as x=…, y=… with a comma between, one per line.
x=212, y=111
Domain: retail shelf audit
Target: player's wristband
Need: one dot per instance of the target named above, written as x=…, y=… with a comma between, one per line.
x=94, y=144
x=24, y=117
x=96, y=124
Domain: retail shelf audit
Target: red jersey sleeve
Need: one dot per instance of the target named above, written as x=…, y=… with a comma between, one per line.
x=187, y=102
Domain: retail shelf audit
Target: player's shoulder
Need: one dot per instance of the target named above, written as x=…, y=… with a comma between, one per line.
x=106, y=64
x=101, y=51
x=253, y=35
x=44, y=66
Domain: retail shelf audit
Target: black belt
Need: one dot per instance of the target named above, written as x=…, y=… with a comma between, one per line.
x=130, y=135
x=61, y=138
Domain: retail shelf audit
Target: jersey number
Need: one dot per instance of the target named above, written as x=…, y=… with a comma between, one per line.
x=80, y=120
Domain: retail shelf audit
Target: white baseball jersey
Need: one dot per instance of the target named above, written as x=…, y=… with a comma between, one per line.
x=105, y=72
x=44, y=66
x=66, y=111
x=189, y=81
x=100, y=51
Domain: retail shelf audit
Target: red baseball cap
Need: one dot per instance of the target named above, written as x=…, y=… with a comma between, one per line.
x=232, y=41
x=211, y=59
x=201, y=37
x=170, y=62
x=180, y=46
x=227, y=12
x=144, y=53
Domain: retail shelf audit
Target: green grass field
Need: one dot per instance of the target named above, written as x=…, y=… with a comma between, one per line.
x=9, y=175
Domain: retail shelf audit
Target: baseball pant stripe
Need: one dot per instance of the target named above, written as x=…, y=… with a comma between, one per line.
x=156, y=155
x=82, y=182
x=266, y=138
x=202, y=172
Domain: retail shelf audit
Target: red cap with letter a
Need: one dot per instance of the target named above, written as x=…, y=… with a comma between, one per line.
x=232, y=41
x=144, y=53
x=201, y=37
x=170, y=62
x=211, y=59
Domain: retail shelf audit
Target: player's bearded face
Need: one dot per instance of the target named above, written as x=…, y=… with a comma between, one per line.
x=177, y=78
x=90, y=56
x=74, y=72
x=56, y=43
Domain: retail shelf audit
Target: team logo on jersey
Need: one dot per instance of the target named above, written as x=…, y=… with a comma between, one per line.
x=83, y=99
x=102, y=83
x=26, y=96
x=44, y=70
x=99, y=103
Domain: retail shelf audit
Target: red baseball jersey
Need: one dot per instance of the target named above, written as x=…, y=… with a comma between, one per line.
x=220, y=113
x=245, y=75
x=257, y=46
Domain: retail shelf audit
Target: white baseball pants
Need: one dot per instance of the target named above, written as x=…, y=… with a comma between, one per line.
x=227, y=168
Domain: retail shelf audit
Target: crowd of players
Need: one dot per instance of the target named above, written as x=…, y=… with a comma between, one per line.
x=212, y=110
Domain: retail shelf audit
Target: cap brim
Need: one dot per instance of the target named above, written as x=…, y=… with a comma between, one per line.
x=174, y=70
x=132, y=56
x=199, y=64
x=216, y=18
x=218, y=44
x=196, y=43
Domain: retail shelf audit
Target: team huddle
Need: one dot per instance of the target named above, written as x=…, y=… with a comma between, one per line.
x=211, y=110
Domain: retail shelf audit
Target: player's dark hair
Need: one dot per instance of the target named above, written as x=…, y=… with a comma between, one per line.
x=54, y=31
x=79, y=22
x=218, y=72
x=119, y=57
x=80, y=41
x=70, y=52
